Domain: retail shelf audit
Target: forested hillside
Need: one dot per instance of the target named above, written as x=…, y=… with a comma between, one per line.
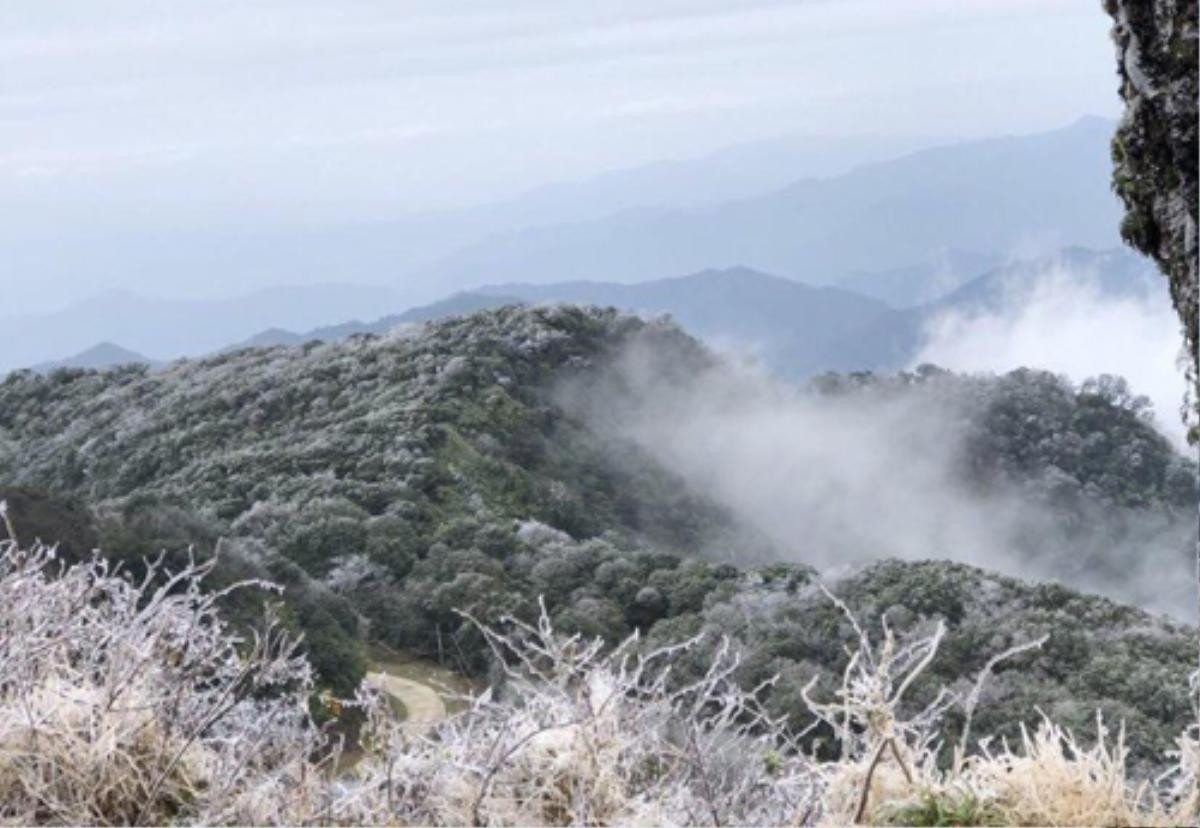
x=389, y=469
x=388, y=481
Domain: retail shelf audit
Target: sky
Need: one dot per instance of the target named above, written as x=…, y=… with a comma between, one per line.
x=147, y=118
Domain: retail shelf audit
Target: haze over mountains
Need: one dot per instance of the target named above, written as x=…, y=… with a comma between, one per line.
x=784, y=323
x=162, y=329
x=934, y=219
x=903, y=287
x=818, y=480
x=794, y=329
x=1001, y=196
x=104, y=355
x=221, y=258
x=1043, y=312
x=892, y=339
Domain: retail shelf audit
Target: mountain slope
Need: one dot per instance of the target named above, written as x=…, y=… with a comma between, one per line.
x=387, y=481
x=991, y=196
x=919, y=284
x=360, y=456
x=785, y=323
x=104, y=355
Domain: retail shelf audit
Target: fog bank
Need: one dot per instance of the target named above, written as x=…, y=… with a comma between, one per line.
x=840, y=481
x=1069, y=325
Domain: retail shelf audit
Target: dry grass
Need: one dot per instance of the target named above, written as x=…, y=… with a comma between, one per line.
x=1049, y=780
x=582, y=735
x=132, y=703
x=888, y=773
x=125, y=703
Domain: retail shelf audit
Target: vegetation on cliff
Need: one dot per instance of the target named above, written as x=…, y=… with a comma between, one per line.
x=1155, y=147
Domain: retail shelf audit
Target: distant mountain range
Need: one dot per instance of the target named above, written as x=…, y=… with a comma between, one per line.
x=904, y=287
x=457, y=305
x=892, y=340
x=166, y=329
x=784, y=323
x=900, y=232
x=795, y=329
x=1032, y=193
x=104, y=355
x=394, y=247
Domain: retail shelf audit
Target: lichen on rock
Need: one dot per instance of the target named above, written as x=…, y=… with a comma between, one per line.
x=1154, y=149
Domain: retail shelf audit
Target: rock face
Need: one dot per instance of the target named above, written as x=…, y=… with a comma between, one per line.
x=1154, y=149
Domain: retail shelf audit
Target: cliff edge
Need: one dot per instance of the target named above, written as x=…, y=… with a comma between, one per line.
x=1154, y=149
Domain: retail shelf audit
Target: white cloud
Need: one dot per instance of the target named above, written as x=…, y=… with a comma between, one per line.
x=839, y=481
x=1070, y=326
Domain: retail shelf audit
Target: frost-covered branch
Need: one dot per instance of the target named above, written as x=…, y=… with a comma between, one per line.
x=132, y=702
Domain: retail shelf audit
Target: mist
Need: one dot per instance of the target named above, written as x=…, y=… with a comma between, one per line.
x=836, y=482
x=1068, y=324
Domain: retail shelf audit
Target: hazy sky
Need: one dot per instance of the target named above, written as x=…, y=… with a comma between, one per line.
x=118, y=114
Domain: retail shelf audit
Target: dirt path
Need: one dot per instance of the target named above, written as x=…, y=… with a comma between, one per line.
x=421, y=702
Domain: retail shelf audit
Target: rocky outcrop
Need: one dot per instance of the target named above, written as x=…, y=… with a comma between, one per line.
x=1154, y=149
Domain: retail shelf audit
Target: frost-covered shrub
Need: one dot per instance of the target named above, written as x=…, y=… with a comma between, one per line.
x=1129, y=664
x=581, y=734
x=131, y=702
x=888, y=771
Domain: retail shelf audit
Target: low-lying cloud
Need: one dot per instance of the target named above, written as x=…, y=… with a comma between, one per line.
x=839, y=481
x=1069, y=325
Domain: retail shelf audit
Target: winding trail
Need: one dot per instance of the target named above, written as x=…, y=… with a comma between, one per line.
x=422, y=703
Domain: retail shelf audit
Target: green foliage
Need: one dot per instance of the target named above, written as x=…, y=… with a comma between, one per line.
x=40, y=515
x=1068, y=444
x=392, y=543
x=1099, y=655
x=936, y=810
x=316, y=542
x=387, y=475
x=388, y=482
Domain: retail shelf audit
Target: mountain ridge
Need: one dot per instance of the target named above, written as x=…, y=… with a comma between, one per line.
x=101, y=355
x=890, y=342
x=170, y=328
x=811, y=231
x=998, y=194
x=386, y=481
x=797, y=330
